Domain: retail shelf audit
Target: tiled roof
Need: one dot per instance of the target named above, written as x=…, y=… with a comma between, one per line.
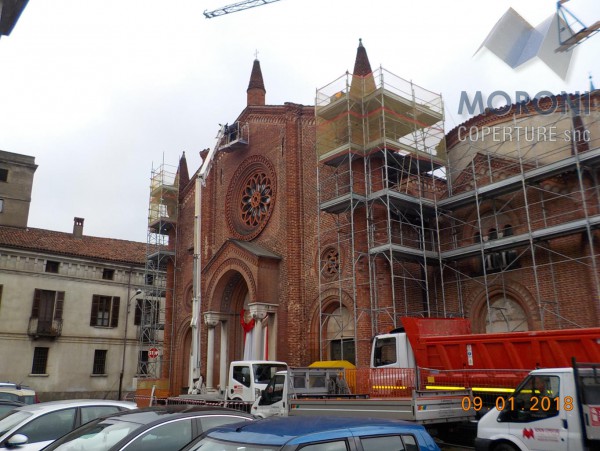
x=60, y=243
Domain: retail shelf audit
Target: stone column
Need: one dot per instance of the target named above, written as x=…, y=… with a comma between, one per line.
x=224, y=348
x=211, y=322
x=259, y=311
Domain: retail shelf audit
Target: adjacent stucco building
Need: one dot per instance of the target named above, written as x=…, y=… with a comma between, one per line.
x=70, y=310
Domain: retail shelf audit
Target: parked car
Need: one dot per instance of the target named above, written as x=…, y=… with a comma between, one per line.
x=17, y=392
x=314, y=433
x=161, y=428
x=7, y=405
x=31, y=427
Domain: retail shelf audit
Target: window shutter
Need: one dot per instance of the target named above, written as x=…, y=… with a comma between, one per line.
x=35, y=310
x=94, y=315
x=58, y=308
x=114, y=316
x=137, y=318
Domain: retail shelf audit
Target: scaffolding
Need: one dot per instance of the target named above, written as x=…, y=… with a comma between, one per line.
x=160, y=251
x=409, y=228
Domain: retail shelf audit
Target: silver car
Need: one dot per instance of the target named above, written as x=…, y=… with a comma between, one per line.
x=32, y=427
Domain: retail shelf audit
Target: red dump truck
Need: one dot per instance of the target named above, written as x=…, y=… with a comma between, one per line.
x=446, y=354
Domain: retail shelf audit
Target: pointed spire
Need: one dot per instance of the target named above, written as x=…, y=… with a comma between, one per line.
x=362, y=78
x=256, y=88
x=182, y=172
x=592, y=87
x=362, y=66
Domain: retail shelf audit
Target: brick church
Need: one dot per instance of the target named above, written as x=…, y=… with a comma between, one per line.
x=317, y=227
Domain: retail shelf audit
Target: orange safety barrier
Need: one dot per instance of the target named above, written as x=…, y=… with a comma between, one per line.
x=381, y=382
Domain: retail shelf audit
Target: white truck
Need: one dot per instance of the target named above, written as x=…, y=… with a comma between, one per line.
x=555, y=409
x=245, y=382
x=323, y=391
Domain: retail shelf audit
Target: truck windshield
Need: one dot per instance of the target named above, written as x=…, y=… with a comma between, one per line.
x=264, y=372
x=384, y=352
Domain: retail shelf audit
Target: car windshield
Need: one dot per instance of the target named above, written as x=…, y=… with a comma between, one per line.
x=211, y=444
x=95, y=436
x=12, y=419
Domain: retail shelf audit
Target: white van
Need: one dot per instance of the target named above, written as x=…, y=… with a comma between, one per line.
x=556, y=409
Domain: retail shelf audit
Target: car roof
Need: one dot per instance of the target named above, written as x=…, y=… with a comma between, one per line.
x=160, y=413
x=56, y=405
x=282, y=430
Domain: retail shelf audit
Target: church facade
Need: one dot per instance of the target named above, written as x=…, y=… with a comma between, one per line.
x=319, y=226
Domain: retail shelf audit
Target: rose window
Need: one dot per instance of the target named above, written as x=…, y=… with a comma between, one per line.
x=256, y=199
x=251, y=197
x=330, y=262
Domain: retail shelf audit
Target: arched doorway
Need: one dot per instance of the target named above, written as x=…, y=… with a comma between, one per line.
x=338, y=329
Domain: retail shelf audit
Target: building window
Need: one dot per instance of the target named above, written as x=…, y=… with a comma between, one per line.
x=99, y=361
x=1, y=205
x=1, y=295
x=105, y=311
x=3, y=175
x=149, y=278
x=40, y=359
x=52, y=266
x=46, y=312
x=108, y=274
x=498, y=261
x=146, y=312
x=143, y=363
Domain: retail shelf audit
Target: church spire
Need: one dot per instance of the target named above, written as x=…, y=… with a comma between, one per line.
x=592, y=87
x=256, y=88
x=362, y=78
x=182, y=176
x=362, y=66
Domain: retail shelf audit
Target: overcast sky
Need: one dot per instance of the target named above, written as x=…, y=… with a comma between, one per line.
x=102, y=91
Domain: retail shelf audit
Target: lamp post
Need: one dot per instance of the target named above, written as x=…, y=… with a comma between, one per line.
x=137, y=293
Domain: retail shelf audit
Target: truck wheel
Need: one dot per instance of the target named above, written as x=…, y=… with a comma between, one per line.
x=505, y=447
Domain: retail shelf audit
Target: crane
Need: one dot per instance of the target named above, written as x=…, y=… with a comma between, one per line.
x=235, y=7
x=569, y=37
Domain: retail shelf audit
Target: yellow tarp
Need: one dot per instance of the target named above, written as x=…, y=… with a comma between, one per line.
x=332, y=364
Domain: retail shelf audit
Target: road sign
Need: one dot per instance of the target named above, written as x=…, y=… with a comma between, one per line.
x=152, y=353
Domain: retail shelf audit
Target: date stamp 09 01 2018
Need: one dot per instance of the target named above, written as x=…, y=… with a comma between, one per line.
x=537, y=403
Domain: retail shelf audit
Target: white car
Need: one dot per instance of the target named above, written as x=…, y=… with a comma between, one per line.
x=32, y=427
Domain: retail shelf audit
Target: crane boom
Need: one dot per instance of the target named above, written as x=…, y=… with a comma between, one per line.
x=235, y=7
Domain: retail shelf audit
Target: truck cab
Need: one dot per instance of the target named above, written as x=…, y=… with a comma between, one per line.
x=554, y=409
x=297, y=383
x=247, y=378
x=392, y=350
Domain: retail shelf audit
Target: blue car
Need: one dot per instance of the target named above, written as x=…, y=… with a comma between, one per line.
x=315, y=433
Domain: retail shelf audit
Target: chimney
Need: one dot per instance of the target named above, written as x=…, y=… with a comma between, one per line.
x=78, y=227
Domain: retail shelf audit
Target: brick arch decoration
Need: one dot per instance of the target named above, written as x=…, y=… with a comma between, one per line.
x=251, y=197
x=188, y=297
x=517, y=292
x=219, y=281
x=332, y=302
x=178, y=360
